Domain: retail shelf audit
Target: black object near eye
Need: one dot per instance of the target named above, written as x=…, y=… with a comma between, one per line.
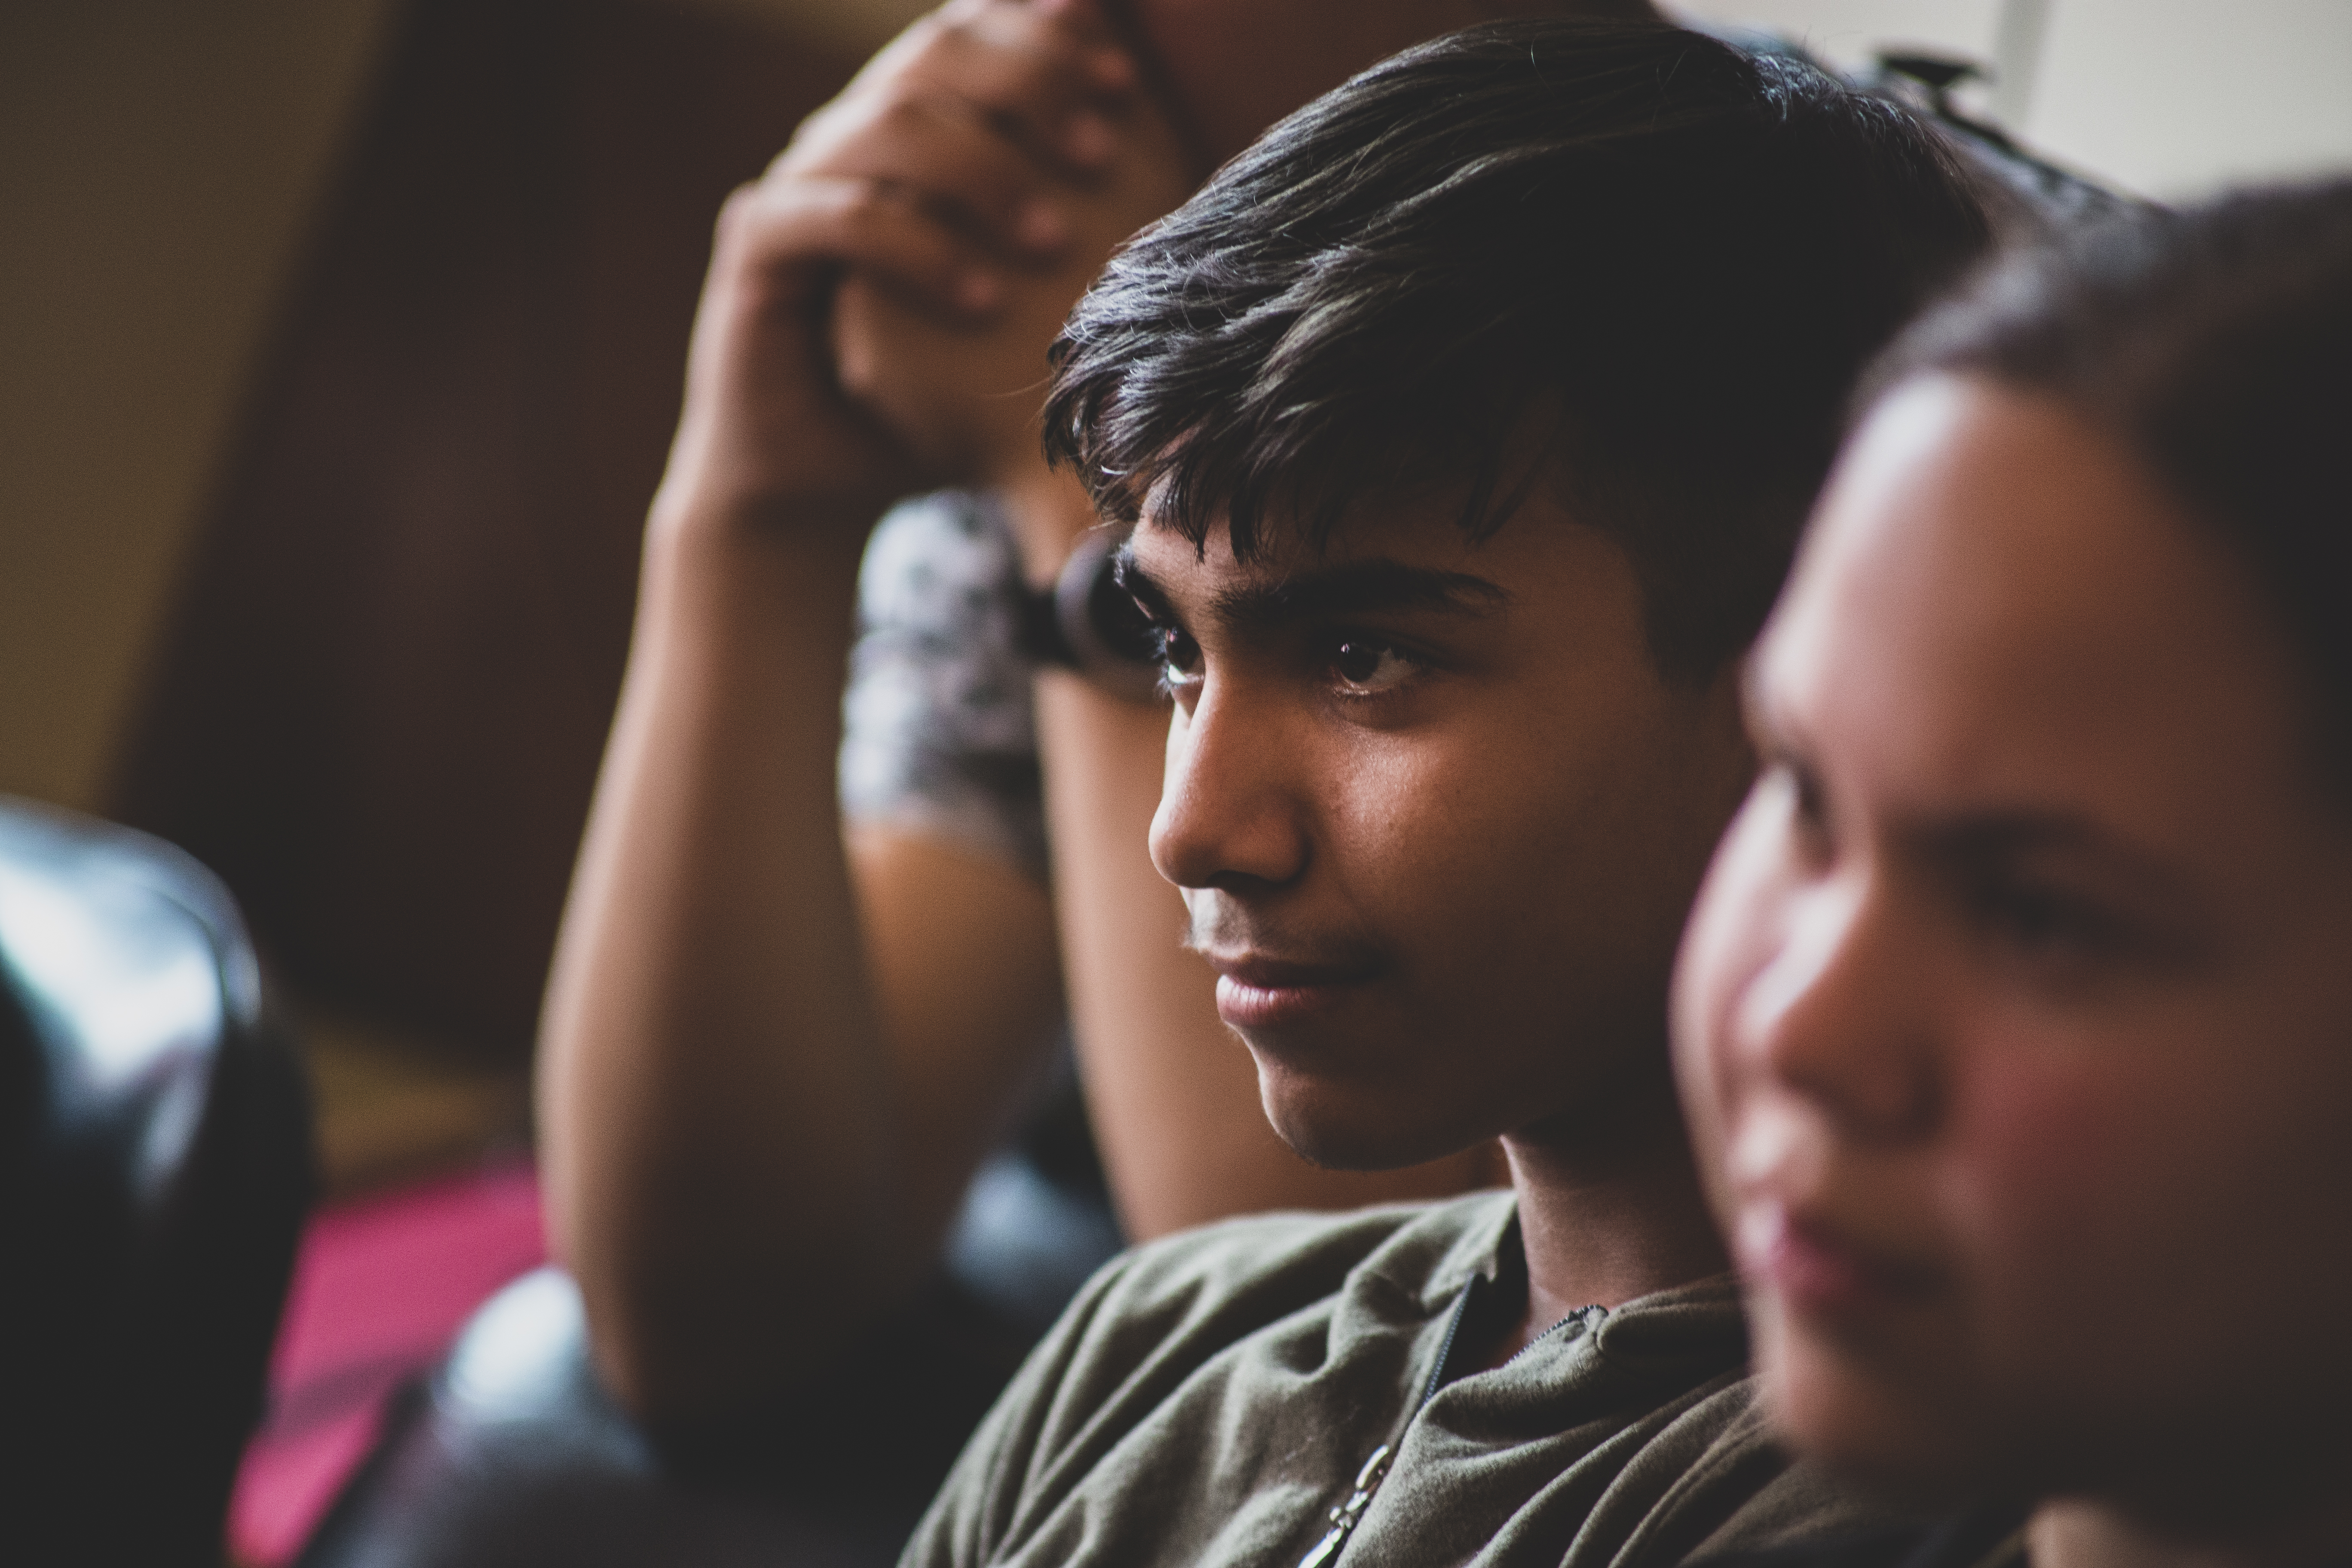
x=1087, y=623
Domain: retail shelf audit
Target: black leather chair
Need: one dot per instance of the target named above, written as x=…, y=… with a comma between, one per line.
x=512, y=1456
x=155, y=1167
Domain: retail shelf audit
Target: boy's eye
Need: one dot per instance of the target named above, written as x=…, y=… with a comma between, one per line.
x=2036, y=921
x=2047, y=928
x=1809, y=813
x=1367, y=665
x=1793, y=792
x=1179, y=655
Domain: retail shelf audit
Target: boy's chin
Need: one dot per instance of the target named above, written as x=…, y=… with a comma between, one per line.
x=1342, y=1132
x=1877, y=1436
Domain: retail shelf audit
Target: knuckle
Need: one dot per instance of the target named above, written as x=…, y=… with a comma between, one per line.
x=862, y=205
x=909, y=112
x=735, y=216
x=946, y=38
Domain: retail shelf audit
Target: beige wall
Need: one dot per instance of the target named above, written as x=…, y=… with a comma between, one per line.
x=159, y=163
x=2176, y=95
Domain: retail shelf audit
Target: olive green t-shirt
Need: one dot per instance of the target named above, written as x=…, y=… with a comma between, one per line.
x=1214, y=1397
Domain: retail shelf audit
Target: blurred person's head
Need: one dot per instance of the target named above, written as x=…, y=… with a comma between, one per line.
x=1231, y=67
x=2015, y=1023
x=1468, y=419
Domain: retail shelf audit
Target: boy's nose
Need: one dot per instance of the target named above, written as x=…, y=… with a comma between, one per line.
x=1230, y=815
x=1839, y=1015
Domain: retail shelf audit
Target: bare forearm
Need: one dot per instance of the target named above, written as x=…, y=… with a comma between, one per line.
x=715, y=1105
x=767, y=1061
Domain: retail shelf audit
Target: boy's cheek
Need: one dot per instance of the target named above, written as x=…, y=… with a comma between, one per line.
x=1732, y=936
x=2071, y=1180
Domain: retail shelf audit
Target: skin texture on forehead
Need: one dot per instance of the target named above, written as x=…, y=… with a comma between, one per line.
x=1233, y=68
x=2013, y=1024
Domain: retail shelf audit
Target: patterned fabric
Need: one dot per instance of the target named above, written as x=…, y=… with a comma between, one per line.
x=940, y=736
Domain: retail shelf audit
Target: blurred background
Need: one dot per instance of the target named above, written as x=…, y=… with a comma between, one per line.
x=339, y=342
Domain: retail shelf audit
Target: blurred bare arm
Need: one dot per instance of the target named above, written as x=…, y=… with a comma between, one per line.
x=769, y=1060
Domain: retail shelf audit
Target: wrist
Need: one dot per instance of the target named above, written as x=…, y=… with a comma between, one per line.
x=708, y=504
x=725, y=476
x=712, y=562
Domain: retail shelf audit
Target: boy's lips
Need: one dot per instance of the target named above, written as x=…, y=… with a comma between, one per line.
x=1258, y=992
x=1824, y=1272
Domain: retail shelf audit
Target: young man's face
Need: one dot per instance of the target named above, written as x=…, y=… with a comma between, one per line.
x=1436, y=817
x=2015, y=1023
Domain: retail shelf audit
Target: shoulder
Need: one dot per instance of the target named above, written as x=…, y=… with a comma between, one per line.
x=936, y=561
x=940, y=736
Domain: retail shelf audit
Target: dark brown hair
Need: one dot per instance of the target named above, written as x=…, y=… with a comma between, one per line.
x=1675, y=255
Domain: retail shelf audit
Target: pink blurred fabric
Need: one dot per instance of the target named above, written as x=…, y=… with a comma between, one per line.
x=381, y=1286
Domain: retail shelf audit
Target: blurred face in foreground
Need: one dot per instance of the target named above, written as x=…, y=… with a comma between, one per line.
x=2015, y=1020
x=1438, y=820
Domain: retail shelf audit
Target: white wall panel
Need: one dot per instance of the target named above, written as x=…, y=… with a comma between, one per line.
x=2170, y=97
x=2163, y=97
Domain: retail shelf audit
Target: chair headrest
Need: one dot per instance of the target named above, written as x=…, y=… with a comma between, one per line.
x=124, y=965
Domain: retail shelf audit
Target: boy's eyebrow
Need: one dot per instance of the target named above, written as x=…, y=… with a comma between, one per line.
x=1968, y=841
x=1348, y=587
x=1129, y=574
x=1976, y=834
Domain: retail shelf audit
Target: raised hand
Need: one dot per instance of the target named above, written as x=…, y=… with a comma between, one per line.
x=1053, y=156
x=937, y=219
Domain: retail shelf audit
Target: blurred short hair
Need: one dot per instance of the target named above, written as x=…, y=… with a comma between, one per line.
x=2214, y=343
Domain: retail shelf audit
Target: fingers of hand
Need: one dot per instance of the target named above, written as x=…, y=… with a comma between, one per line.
x=786, y=239
x=1054, y=82
x=960, y=169
x=1059, y=86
